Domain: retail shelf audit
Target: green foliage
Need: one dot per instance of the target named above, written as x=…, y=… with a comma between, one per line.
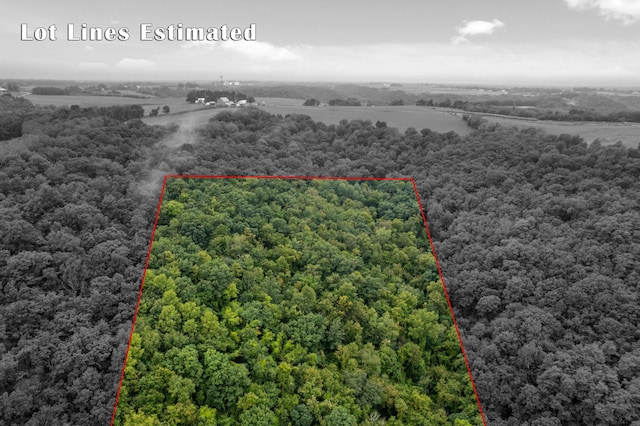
x=304, y=302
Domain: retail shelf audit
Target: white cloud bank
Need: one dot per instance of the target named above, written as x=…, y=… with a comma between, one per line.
x=565, y=63
x=258, y=50
x=471, y=28
x=254, y=50
x=627, y=11
x=568, y=62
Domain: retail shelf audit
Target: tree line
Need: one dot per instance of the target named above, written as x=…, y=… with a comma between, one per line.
x=529, y=110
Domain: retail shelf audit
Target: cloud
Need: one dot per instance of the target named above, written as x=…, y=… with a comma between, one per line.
x=563, y=62
x=470, y=28
x=258, y=50
x=627, y=11
x=567, y=62
x=198, y=44
x=255, y=50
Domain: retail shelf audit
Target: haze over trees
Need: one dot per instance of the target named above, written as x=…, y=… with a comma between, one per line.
x=537, y=236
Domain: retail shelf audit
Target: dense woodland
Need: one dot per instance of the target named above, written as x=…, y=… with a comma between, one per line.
x=272, y=301
x=19, y=116
x=538, y=237
x=15, y=111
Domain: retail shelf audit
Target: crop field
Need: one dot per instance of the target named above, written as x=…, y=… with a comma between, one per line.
x=175, y=104
x=401, y=117
x=608, y=133
x=196, y=117
x=86, y=100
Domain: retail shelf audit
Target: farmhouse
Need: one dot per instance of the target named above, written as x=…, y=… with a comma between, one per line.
x=241, y=103
x=200, y=101
x=224, y=102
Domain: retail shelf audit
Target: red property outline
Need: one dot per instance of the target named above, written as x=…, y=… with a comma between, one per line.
x=426, y=226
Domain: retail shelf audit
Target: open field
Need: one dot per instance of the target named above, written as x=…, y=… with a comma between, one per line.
x=608, y=133
x=436, y=119
x=429, y=89
x=86, y=100
x=196, y=118
x=401, y=117
x=176, y=104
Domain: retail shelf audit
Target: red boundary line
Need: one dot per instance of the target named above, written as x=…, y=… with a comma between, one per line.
x=135, y=313
x=426, y=226
x=446, y=294
x=284, y=177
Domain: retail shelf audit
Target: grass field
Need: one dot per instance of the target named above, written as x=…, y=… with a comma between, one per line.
x=86, y=100
x=608, y=133
x=196, y=118
x=175, y=104
x=401, y=117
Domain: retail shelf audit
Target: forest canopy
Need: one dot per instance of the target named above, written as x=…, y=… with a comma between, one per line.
x=279, y=301
x=537, y=235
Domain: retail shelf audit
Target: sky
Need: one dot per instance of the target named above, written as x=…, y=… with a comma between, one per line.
x=493, y=42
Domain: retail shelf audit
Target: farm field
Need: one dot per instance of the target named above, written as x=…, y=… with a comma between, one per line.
x=86, y=100
x=401, y=117
x=176, y=104
x=608, y=133
x=196, y=117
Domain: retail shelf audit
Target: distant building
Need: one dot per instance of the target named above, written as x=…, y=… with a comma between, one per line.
x=241, y=103
x=224, y=102
x=200, y=101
